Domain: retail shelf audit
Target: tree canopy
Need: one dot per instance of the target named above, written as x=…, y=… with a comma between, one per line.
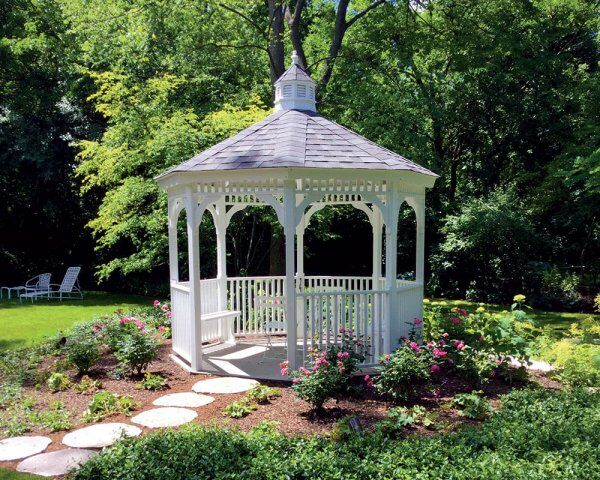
x=501, y=98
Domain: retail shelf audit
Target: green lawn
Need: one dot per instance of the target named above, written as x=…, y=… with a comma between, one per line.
x=559, y=321
x=12, y=475
x=25, y=323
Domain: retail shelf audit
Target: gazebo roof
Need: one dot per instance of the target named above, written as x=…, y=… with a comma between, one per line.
x=296, y=136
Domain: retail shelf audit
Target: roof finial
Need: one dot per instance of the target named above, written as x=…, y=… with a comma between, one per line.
x=295, y=58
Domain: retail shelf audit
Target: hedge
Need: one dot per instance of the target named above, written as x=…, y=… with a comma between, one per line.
x=537, y=435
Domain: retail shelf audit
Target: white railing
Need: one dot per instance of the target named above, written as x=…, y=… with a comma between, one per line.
x=323, y=315
x=181, y=324
x=324, y=284
x=259, y=299
x=209, y=296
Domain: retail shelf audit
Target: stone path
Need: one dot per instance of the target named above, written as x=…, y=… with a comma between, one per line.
x=55, y=463
x=183, y=399
x=224, y=385
x=20, y=447
x=174, y=410
x=164, y=417
x=100, y=435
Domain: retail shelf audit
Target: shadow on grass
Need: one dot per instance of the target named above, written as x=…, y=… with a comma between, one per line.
x=90, y=299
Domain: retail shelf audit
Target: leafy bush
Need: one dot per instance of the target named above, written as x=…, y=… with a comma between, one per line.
x=473, y=405
x=399, y=418
x=405, y=372
x=137, y=350
x=239, y=409
x=55, y=419
x=262, y=394
x=343, y=430
x=576, y=364
x=87, y=386
x=152, y=381
x=328, y=372
x=105, y=404
x=58, y=382
x=83, y=350
x=536, y=436
x=476, y=343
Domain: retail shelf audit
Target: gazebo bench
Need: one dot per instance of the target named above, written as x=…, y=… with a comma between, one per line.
x=218, y=326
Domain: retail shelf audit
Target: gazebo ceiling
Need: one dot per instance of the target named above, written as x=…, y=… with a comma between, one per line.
x=293, y=137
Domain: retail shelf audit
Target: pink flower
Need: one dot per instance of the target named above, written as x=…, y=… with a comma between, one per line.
x=435, y=368
x=285, y=372
x=276, y=302
x=436, y=392
x=443, y=343
x=168, y=314
x=139, y=324
x=461, y=311
x=437, y=353
x=161, y=329
x=445, y=335
x=342, y=330
x=124, y=320
x=415, y=346
x=283, y=364
x=296, y=380
x=156, y=303
x=97, y=327
x=340, y=366
x=368, y=381
x=165, y=307
x=459, y=344
x=304, y=371
x=481, y=339
x=418, y=321
x=456, y=320
x=430, y=344
x=343, y=355
x=387, y=357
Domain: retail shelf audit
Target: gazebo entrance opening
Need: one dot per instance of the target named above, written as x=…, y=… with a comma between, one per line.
x=297, y=162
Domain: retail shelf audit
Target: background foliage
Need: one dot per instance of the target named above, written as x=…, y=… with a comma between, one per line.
x=499, y=97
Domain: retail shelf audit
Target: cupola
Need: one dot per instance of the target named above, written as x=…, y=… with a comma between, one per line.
x=295, y=90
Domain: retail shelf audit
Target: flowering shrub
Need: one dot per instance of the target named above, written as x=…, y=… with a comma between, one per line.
x=137, y=350
x=475, y=343
x=407, y=370
x=83, y=350
x=327, y=372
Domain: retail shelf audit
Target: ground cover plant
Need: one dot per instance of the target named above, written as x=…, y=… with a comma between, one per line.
x=537, y=435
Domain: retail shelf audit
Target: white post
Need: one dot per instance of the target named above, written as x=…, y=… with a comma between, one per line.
x=391, y=252
x=289, y=230
x=191, y=207
x=173, y=251
x=221, y=229
x=419, y=208
x=376, y=224
x=300, y=248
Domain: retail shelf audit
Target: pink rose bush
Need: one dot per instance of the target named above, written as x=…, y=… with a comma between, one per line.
x=327, y=372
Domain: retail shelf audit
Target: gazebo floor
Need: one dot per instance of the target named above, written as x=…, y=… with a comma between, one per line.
x=244, y=359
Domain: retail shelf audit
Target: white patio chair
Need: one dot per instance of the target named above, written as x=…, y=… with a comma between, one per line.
x=69, y=287
x=39, y=284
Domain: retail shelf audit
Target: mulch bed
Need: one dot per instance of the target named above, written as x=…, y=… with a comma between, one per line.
x=294, y=416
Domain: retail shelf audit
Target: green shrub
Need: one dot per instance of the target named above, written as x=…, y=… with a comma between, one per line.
x=136, y=351
x=328, y=372
x=538, y=435
x=262, y=394
x=55, y=419
x=239, y=409
x=575, y=364
x=405, y=372
x=87, y=386
x=105, y=404
x=58, y=382
x=152, y=381
x=399, y=418
x=473, y=405
x=83, y=350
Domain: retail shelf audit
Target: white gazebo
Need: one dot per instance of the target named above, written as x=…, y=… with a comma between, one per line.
x=298, y=162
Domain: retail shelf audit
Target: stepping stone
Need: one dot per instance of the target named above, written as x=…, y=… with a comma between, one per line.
x=183, y=399
x=100, y=435
x=21, y=447
x=164, y=417
x=224, y=385
x=55, y=463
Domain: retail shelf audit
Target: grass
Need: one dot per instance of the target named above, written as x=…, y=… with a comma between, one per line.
x=559, y=322
x=25, y=324
x=12, y=475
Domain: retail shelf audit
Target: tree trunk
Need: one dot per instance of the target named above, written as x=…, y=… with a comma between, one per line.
x=276, y=52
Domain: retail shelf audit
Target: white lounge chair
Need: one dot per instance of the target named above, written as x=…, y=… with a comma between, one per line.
x=69, y=287
x=39, y=284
